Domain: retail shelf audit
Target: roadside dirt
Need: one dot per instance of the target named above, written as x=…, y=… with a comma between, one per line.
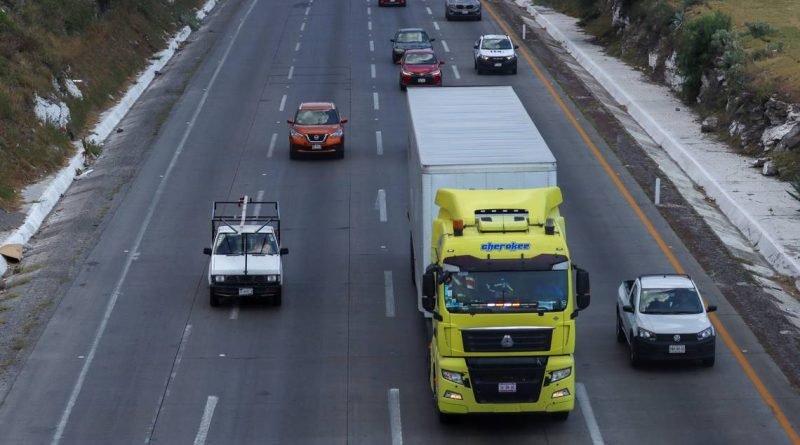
x=735, y=282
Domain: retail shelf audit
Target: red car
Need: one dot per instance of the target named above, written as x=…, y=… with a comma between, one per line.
x=316, y=129
x=420, y=67
x=391, y=2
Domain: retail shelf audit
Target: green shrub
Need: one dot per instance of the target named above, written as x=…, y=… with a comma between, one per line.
x=695, y=51
x=760, y=29
x=795, y=183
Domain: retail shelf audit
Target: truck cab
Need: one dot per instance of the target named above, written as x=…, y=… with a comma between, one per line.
x=245, y=252
x=503, y=296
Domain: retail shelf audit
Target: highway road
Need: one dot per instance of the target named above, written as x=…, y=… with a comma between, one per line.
x=134, y=353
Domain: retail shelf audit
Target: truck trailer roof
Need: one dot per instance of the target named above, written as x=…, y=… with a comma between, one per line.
x=471, y=126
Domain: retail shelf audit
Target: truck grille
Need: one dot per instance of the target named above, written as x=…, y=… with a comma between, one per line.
x=507, y=340
x=244, y=279
x=487, y=373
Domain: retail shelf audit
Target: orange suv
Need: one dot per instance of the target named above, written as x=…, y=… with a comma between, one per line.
x=316, y=129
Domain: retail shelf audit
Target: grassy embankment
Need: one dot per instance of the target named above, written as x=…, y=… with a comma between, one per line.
x=44, y=40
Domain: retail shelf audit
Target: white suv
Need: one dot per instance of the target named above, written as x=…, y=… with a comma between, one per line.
x=495, y=52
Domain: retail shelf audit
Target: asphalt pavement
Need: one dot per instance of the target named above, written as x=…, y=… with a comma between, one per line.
x=134, y=353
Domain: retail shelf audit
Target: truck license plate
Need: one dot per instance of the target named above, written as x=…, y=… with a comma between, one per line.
x=498, y=64
x=677, y=349
x=245, y=291
x=316, y=147
x=506, y=387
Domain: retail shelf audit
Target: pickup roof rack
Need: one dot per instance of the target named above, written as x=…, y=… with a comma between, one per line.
x=227, y=213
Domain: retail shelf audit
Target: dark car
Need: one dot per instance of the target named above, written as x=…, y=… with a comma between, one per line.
x=462, y=9
x=391, y=2
x=409, y=38
x=420, y=67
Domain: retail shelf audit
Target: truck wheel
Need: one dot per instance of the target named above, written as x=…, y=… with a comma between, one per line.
x=636, y=361
x=276, y=299
x=446, y=419
x=561, y=416
x=213, y=299
x=709, y=362
x=620, y=332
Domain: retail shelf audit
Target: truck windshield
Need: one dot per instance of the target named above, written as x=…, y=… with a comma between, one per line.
x=524, y=291
x=252, y=243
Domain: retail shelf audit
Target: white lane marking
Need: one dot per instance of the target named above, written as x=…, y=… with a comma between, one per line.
x=257, y=207
x=308, y=9
x=375, y=104
x=297, y=46
x=291, y=72
x=446, y=48
x=372, y=70
x=379, y=142
x=388, y=287
x=429, y=10
x=382, y=205
x=178, y=357
x=371, y=45
x=455, y=71
x=76, y=390
x=369, y=25
x=302, y=26
x=272, y=144
x=283, y=103
x=395, y=422
x=588, y=414
x=369, y=10
x=436, y=25
x=234, y=312
x=205, y=422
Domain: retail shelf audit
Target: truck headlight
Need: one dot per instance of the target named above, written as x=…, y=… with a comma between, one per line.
x=560, y=374
x=705, y=333
x=219, y=278
x=647, y=335
x=273, y=278
x=455, y=377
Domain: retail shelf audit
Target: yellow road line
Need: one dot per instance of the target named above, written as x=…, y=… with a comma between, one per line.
x=721, y=330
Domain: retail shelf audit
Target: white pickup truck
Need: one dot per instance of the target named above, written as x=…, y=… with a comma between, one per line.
x=663, y=317
x=245, y=251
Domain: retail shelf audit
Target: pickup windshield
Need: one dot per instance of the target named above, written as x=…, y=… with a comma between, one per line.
x=252, y=243
x=524, y=291
x=670, y=301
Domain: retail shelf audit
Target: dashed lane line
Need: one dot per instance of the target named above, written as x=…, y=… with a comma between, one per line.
x=205, y=421
x=272, y=141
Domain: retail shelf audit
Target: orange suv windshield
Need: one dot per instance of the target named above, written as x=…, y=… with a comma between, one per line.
x=317, y=117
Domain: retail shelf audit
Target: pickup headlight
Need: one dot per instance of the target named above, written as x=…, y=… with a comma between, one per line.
x=647, y=335
x=512, y=57
x=219, y=278
x=455, y=377
x=273, y=278
x=337, y=133
x=705, y=333
x=560, y=374
x=484, y=57
x=295, y=134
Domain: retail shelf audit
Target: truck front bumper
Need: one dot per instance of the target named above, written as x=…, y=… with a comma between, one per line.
x=552, y=397
x=249, y=290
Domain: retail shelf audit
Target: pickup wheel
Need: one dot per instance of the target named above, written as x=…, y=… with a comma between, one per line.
x=620, y=333
x=709, y=362
x=213, y=299
x=635, y=360
x=276, y=299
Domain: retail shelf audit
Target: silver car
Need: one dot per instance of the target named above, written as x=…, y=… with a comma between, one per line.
x=462, y=9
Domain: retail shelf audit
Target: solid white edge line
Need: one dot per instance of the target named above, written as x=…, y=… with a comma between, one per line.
x=372, y=70
x=375, y=103
x=371, y=45
x=291, y=72
x=205, y=422
x=388, y=286
x=134, y=251
x=382, y=205
x=436, y=25
x=283, y=103
x=379, y=142
x=588, y=414
x=446, y=48
x=455, y=71
x=272, y=144
x=395, y=422
x=176, y=365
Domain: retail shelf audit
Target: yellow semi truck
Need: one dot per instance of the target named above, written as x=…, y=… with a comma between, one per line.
x=503, y=295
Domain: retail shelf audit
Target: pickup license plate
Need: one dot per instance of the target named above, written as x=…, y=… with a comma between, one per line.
x=506, y=387
x=421, y=80
x=498, y=65
x=315, y=147
x=245, y=291
x=677, y=349
x=465, y=12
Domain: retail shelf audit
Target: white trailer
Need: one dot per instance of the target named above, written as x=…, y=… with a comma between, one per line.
x=468, y=138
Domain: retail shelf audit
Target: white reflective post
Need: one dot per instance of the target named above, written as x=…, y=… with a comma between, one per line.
x=658, y=191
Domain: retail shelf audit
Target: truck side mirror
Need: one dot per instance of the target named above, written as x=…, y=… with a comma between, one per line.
x=428, y=291
x=284, y=251
x=206, y=251
x=582, y=290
